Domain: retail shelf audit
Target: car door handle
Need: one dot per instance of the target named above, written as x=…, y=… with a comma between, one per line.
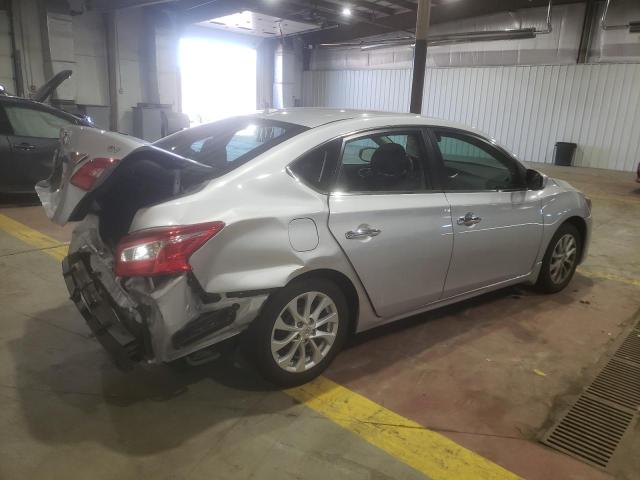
x=363, y=231
x=469, y=219
x=24, y=146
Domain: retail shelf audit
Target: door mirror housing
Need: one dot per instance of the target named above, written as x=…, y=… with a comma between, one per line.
x=366, y=154
x=535, y=180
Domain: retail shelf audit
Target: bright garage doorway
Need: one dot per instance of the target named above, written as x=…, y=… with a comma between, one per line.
x=218, y=79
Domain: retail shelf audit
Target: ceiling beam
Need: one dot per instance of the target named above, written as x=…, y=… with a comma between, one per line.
x=295, y=10
x=196, y=11
x=404, y=4
x=331, y=9
x=368, y=5
x=110, y=5
x=398, y=22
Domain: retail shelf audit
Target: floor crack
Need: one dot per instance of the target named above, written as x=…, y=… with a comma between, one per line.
x=436, y=429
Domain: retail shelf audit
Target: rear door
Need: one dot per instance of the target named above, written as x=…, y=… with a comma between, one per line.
x=33, y=142
x=497, y=222
x=390, y=221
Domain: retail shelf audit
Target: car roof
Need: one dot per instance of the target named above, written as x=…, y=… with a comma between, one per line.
x=312, y=117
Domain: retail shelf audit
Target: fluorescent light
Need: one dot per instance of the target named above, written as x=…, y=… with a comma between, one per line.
x=346, y=11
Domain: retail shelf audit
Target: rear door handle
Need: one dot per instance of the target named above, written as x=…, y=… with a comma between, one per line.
x=363, y=231
x=469, y=219
x=24, y=146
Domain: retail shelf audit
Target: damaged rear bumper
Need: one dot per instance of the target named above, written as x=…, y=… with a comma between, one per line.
x=95, y=306
x=149, y=319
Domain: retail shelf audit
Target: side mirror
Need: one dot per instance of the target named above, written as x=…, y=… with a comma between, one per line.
x=366, y=153
x=535, y=180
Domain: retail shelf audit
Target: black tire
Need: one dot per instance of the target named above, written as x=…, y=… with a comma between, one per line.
x=546, y=283
x=259, y=334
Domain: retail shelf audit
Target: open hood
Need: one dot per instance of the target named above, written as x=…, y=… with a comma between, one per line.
x=48, y=88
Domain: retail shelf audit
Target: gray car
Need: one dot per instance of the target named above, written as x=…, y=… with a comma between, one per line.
x=29, y=136
x=298, y=228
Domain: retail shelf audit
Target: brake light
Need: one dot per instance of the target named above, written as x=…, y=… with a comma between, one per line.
x=161, y=251
x=89, y=173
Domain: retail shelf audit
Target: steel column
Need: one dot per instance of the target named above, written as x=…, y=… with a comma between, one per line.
x=112, y=66
x=420, y=55
x=590, y=13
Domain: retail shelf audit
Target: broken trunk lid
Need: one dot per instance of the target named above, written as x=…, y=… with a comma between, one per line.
x=85, y=165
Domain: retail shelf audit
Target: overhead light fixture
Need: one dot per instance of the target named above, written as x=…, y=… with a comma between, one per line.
x=346, y=11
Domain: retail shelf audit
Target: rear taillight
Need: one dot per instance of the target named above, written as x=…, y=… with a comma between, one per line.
x=89, y=173
x=161, y=251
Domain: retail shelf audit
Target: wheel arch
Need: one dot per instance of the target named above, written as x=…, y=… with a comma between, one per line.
x=581, y=225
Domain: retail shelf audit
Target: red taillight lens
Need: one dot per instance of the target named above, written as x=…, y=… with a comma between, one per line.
x=160, y=251
x=88, y=173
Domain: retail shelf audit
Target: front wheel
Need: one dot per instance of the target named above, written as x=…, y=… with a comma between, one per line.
x=299, y=332
x=560, y=260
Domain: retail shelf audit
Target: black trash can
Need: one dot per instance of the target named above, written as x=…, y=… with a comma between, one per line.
x=563, y=153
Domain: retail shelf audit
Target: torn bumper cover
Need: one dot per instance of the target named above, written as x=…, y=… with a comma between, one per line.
x=153, y=320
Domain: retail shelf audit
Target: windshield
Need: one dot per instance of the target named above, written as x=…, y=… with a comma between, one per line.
x=227, y=144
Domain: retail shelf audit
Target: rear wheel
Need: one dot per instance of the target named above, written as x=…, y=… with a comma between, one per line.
x=560, y=260
x=299, y=332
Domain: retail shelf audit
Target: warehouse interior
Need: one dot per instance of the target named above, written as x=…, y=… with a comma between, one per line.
x=475, y=389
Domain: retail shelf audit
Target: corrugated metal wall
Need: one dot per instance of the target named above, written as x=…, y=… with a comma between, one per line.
x=525, y=108
x=386, y=89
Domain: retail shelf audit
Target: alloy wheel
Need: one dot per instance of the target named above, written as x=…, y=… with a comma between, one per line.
x=563, y=258
x=304, y=332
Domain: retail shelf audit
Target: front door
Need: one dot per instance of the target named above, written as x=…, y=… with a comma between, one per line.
x=394, y=228
x=497, y=222
x=33, y=142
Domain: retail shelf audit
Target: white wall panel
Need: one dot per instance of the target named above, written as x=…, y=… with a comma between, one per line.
x=92, y=78
x=525, y=108
x=61, y=46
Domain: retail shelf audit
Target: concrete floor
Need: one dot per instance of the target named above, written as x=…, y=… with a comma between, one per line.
x=466, y=371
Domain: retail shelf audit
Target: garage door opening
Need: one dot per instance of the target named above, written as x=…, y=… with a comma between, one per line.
x=218, y=79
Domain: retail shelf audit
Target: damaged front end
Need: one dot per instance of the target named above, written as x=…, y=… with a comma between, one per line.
x=152, y=319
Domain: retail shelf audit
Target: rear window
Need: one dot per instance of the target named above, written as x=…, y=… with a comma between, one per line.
x=227, y=144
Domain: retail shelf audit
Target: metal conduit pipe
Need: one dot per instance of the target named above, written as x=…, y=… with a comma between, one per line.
x=634, y=27
x=454, y=38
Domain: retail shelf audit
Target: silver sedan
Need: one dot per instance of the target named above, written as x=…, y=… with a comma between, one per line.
x=297, y=228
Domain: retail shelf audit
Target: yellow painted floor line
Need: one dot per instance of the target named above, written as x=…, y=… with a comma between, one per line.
x=426, y=451
x=614, y=198
x=609, y=276
x=34, y=238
